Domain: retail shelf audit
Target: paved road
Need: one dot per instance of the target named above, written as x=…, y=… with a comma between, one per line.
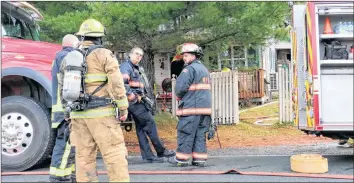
x=338, y=164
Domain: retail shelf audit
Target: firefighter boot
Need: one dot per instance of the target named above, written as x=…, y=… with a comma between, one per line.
x=59, y=179
x=166, y=153
x=342, y=142
x=177, y=163
x=200, y=163
x=350, y=143
x=154, y=159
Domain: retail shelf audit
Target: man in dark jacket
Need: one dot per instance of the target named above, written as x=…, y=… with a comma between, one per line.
x=194, y=110
x=145, y=124
x=62, y=167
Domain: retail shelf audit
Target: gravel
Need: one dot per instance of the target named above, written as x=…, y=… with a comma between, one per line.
x=288, y=150
x=285, y=150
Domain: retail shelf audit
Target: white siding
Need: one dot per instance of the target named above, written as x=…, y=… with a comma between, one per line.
x=282, y=45
x=161, y=74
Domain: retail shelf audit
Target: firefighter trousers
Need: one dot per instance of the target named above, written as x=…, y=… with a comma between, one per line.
x=62, y=166
x=146, y=126
x=191, y=138
x=105, y=134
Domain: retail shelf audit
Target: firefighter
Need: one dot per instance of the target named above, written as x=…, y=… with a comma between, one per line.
x=62, y=167
x=194, y=110
x=99, y=128
x=140, y=111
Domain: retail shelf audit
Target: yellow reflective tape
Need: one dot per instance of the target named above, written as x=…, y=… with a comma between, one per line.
x=73, y=167
x=91, y=78
x=60, y=172
x=122, y=102
x=308, y=17
x=55, y=125
x=57, y=108
x=93, y=113
x=350, y=141
x=64, y=160
x=310, y=55
x=58, y=104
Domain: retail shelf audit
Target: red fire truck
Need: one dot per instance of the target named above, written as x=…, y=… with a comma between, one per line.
x=26, y=134
x=322, y=48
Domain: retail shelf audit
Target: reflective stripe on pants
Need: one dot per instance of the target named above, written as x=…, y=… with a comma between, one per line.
x=63, y=156
x=191, y=138
x=61, y=172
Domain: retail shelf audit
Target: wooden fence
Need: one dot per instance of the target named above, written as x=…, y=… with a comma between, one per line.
x=251, y=84
x=225, y=98
x=285, y=93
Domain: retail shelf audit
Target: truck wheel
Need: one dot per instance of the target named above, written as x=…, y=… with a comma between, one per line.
x=26, y=133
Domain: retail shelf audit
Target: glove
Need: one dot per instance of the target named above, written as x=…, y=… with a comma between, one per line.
x=212, y=130
x=123, y=114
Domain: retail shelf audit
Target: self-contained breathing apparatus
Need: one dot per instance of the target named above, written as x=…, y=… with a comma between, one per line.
x=74, y=91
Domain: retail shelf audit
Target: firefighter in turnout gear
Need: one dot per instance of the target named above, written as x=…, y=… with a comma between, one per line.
x=140, y=109
x=194, y=110
x=99, y=127
x=62, y=167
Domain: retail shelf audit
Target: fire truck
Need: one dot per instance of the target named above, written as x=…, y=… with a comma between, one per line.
x=27, y=137
x=322, y=52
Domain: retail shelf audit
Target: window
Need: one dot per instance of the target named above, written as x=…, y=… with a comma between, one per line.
x=14, y=27
x=239, y=55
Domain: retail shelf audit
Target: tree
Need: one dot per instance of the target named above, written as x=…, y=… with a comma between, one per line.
x=161, y=26
x=132, y=24
x=60, y=18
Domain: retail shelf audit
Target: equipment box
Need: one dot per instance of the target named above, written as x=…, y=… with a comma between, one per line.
x=335, y=30
x=323, y=81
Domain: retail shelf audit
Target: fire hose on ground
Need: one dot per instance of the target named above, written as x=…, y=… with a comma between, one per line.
x=201, y=172
x=309, y=166
x=298, y=162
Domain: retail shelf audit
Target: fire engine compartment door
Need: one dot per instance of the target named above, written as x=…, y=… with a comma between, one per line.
x=336, y=96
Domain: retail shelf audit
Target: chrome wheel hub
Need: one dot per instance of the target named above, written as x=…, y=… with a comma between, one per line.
x=17, y=133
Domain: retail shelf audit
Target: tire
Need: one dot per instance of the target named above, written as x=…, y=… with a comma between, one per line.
x=35, y=139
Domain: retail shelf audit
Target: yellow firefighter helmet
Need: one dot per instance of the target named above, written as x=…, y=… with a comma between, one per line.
x=225, y=69
x=91, y=28
x=178, y=55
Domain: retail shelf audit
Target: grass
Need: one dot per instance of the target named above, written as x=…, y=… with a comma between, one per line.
x=244, y=134
x=165, y=118
x=250, y=114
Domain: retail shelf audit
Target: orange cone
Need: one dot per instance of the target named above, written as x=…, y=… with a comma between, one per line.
x=327, y=27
